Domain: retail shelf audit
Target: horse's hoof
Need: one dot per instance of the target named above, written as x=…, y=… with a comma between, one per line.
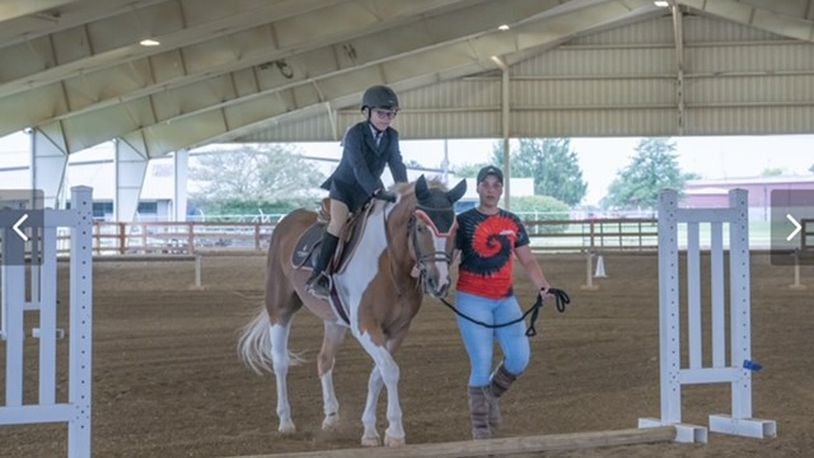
x=390, y=441
x=330, y=423
x=371, y=441
x=287, y=427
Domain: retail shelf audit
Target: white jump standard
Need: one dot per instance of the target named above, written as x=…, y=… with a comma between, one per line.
x=738, y=372
x=77, y=411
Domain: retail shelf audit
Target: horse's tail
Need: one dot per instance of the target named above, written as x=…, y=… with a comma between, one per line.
x=254, y=345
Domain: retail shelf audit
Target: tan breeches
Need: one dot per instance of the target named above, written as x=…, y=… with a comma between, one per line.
x=339, y=216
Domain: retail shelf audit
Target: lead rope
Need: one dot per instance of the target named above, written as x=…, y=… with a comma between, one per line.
x=561, y=297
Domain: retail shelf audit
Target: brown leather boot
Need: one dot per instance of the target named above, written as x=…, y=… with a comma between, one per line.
x=479, y=412
x=499, y=383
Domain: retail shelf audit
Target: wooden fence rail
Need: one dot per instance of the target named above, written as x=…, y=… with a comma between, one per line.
x=188, y=238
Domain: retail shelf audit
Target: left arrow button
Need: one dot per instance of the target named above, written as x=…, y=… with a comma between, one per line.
x=17, y=225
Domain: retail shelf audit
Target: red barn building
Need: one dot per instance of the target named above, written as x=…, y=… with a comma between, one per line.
x=713, y=193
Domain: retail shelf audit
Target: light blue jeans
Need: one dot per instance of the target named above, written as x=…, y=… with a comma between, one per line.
x=479, y=341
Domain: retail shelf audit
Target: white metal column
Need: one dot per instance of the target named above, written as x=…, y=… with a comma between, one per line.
x=179, y=200
x=49, y=159
x=131, y=168
x=505, y=118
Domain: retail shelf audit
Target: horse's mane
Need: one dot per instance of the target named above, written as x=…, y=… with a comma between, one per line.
x=409, y=188
x=407, y=192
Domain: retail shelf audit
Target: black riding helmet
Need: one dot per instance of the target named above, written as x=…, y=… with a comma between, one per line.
x=380, y=97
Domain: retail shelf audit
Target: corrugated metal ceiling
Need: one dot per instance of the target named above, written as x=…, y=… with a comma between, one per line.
x=294, y=69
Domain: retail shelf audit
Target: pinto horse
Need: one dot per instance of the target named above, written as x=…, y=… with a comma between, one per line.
x=403, y=253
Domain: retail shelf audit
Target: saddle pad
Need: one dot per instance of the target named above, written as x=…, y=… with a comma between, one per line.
x=306, y=245
x=302, y=257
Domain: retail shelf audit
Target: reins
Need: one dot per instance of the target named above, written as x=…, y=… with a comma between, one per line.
x=561, y=297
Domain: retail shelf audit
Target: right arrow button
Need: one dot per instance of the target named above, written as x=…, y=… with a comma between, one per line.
x=797, y=227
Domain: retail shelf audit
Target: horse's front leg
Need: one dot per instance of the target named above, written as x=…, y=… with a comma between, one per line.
x=394, y=434
x=389, y=376
x=334, y=335
x=371, y=438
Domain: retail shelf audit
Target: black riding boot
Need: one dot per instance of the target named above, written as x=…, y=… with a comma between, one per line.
x=319, y=283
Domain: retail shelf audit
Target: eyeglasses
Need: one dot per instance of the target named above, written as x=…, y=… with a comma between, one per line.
x=385, y=114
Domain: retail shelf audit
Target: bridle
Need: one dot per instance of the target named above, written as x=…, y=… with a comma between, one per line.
x=424, y=259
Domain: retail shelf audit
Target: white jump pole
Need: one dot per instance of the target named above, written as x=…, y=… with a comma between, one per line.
x=589, y=279
x=198, y=283
x=797, y=285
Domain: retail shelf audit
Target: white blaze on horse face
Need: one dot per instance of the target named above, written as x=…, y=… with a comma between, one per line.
x=364, y=266
x=441, y=266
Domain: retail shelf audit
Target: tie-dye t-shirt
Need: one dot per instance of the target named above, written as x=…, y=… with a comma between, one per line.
x=487, y=244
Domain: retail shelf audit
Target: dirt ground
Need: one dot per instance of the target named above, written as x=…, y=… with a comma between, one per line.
x=167, y=381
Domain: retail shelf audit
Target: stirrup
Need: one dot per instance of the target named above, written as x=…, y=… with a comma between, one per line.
x=319, y=286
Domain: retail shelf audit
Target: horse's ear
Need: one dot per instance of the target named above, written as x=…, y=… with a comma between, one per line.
x=457, y=192
x=421, y=191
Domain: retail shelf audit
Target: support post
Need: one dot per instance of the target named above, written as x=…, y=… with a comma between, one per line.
x=505, y=118
x=179, y=198
x=131, y=167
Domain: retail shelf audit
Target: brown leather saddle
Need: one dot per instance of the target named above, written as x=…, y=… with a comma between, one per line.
x=305, y=251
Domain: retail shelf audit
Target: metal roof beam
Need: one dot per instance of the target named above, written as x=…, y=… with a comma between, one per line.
x=182, y=66
x=311, y=67
x=678, y=36
x=408, y=72
x=14, y=10
x=114, y=40
x=774, y=20
x=70, y=14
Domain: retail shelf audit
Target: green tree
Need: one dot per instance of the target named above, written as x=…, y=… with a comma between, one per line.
x=653, y=168
x=469, y=170
x=542, y=208
x=522, y=164
x=266, y=177
x=771, y=172
x=811, y=169
x=553, y=165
